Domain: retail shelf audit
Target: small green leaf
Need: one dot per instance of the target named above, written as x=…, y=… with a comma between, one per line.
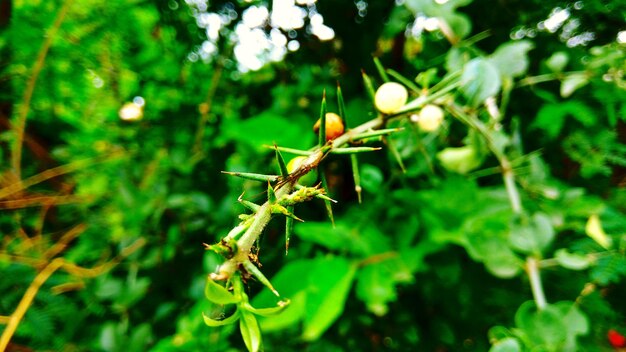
x=213, y=322
x=508, y=344
x=479, y=81
x=573, y=82
x=217, y=293
x=250, y=331
x=271, y=195
x=326, y=295
x=571, y=261
x=543, y=327
x=558, y=61
x=266, y=312
x=511, y=58
x=532, y=235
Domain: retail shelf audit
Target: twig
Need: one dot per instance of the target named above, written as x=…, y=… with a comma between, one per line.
x=27, y=299
x=24, y=108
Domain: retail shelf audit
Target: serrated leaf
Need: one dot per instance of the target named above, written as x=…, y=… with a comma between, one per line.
x=250, y=331
x=218, y=294
x=480, y=80
x=326, y=295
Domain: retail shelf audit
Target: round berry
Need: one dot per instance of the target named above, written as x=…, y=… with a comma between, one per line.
x=390, y=97
x=334, y=126
x=430, y=118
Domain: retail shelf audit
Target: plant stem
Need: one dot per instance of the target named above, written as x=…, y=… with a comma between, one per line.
x=532, y=268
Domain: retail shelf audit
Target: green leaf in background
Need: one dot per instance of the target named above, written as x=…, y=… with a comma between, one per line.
x=551, y=117
x=330, y=282
x=376, y=287
x=371, y=177
x=531, y=235
x=507, y=344
x=486, y=241
x=544, y=328
x=511, y=58
x=558, y=61
x=480, y=80
x=250, y=331
x=267, y=129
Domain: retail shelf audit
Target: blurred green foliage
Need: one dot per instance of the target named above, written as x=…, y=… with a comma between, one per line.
x=433, y=259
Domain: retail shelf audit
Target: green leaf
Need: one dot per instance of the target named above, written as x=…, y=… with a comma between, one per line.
x=480, y=80
x=551, y=117
x=532, y=235
x=376, y=287
x=573, y=82
x=544, y=327
x=371, y=178
x=293, y=313
x=511, y=58
x=250, y=331
x=326, y=295
x=218, y=294
x=508, y=344
x=570, y=260
x=213, y=322
x=266, y=312
x=558, y=61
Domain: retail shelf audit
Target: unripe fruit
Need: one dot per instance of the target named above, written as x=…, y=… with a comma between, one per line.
x=390, y=97
x=430, y=118
x=334, y=126
x=306, y=180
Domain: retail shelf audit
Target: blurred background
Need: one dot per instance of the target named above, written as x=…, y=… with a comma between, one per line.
x=117, y=118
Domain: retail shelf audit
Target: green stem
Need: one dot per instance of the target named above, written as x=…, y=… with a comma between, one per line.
x=532, y=268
